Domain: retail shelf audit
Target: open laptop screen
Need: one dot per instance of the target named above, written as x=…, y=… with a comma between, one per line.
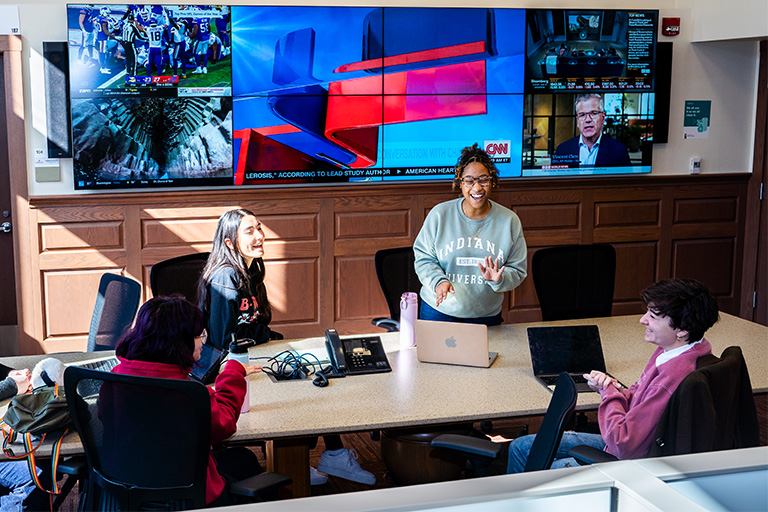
x=574, y=349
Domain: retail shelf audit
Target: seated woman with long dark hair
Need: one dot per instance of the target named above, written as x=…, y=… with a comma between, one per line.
x=165, y=342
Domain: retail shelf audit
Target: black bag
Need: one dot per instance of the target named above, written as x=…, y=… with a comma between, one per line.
x=41, y=413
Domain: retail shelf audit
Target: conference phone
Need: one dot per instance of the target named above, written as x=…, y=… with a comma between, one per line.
x=355, y=356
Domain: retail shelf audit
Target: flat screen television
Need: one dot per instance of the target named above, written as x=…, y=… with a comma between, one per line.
x=151, y=95
x=321, y=94
x=590, y=73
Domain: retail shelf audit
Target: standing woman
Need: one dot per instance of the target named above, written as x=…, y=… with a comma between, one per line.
x=232, y=293
x=470, y=250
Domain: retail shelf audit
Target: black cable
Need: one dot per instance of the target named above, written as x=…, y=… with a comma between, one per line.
x=288, y=365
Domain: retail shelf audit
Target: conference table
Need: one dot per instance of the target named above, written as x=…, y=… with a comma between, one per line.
x=288, y=415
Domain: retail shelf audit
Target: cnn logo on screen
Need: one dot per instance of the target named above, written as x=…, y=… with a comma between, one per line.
x=498, y=150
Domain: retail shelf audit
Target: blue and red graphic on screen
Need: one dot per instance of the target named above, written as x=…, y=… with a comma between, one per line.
x=354, y=93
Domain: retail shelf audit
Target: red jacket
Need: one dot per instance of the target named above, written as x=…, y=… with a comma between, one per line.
x=226, y=400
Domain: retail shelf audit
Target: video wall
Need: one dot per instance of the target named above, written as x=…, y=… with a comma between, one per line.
x=176, y=95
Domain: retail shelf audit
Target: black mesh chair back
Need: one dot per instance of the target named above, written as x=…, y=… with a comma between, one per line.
x=116, y=304
x=396, y=274
x=712, y=409
x=560, y=411
x=178, y=275
x=574, y=281
x=147, y=440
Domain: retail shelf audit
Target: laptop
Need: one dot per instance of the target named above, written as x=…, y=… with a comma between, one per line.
x=575, y=349
x=102, y=364
x=453, y=343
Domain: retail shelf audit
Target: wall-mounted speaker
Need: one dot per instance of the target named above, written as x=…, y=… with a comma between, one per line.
x=56, y=72
x=663, y=89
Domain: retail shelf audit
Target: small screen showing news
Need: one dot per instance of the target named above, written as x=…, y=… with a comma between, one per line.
x=215, y=95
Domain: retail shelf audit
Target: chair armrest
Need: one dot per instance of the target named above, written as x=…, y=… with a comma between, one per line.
x=467, y=444
x=386, y=323
x=260, y=484
x=590, y=455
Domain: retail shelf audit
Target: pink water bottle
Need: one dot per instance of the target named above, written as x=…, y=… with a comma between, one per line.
x=408, y=305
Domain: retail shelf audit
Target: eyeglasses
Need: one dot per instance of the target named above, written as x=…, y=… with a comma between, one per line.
x=469, y=181
x=202, y=336
x=592, y=114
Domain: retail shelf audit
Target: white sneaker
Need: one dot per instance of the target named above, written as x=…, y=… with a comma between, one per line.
x=197, y=71
x=205, y=71
x=344, y=465
x=316, y=477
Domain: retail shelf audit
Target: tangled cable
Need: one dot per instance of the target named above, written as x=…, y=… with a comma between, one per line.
x=288, y=365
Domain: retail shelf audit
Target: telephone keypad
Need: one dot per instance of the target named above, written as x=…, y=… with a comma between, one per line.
x=365, y=355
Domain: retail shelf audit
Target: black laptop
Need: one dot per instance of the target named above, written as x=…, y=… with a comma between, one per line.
x=575, y=349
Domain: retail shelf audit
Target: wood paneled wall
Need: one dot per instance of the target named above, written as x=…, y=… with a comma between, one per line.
x=321, y=242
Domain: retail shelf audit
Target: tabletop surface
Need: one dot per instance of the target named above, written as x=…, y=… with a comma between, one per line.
x=417, y=393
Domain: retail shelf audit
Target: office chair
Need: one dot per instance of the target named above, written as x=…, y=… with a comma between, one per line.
x=147, y=442
x=574, y=281
x=394, y=269
x=560, y=410
x=712, y=409
x=178, y=275
x=116, y=305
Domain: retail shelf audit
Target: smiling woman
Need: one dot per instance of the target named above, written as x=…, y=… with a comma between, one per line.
x=232, y=293
x=470, y=250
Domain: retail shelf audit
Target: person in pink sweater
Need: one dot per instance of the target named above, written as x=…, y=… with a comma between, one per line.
x=165, y=342
x=679, y=312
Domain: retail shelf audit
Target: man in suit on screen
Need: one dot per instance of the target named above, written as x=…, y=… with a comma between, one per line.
x=591, y=148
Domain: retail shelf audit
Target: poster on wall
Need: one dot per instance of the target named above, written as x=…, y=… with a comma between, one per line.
x=696, y=119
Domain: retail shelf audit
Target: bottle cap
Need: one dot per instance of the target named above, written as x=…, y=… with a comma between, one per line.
x=240, y=346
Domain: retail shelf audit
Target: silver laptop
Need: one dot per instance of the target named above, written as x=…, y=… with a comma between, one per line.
x=103, y=364
x=453, y=343
x=575, y=349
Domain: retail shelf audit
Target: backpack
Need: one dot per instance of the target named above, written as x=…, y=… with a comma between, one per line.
x=33, y=417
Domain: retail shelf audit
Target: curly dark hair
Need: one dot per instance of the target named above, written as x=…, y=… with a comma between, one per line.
x=687, y=303
x=474, y=153
x=164, y=332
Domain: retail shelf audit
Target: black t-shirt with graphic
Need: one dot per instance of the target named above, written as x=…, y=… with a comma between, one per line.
x=233, y=311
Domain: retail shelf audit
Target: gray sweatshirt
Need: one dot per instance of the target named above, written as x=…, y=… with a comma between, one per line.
x=449, y=247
